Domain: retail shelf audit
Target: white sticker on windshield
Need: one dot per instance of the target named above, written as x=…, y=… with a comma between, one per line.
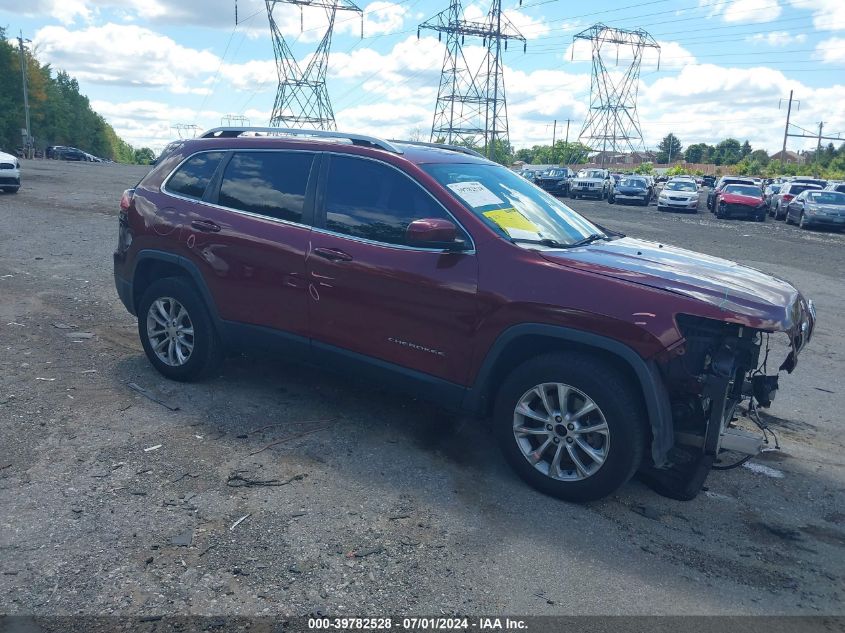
x=475, y=194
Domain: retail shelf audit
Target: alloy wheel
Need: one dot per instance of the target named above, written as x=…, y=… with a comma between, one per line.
x=561, y=431
x=170, y=331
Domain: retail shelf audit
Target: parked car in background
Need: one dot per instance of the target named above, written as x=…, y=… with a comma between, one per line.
x=10, y=173
x=810, y=181
x=770, y=191
x=722, y=182
x=814, y=207
x=680, y=195
x=592, y=183
x=836, y=186
x=782, y=198
x=595, y=355
x=555, y=180
x=740, y=200
x=708, y=181
x=631, y=189
x=72, y=154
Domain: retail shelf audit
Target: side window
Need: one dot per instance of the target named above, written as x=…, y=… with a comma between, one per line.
x=191, y=179
x=373, y=201
x=272, y=184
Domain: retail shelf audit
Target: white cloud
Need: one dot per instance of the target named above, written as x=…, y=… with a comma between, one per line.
x=832, y=50
x=124, y=55
x=828, y=15
x=751, y=11
x=65, y=11
x=777, y=38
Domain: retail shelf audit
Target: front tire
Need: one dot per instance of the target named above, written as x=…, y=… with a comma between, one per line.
x=11, y=189
x=177, y=332
x=802, y=223
x=570, y=425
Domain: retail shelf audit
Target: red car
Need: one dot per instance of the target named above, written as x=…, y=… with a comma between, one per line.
x=432, y=269
x=741, y=200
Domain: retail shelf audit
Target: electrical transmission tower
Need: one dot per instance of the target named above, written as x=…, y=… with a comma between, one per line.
x=302, y=99
x=186, y=130
x=612, y=124
x=471, y=100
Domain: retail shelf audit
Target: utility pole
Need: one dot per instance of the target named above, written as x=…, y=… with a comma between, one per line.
x=27, y=144
x=819, y=142
x=568, y=121
x=786, y=129
x=554, y=133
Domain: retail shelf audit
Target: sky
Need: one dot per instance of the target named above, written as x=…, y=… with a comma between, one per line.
x=725, y=66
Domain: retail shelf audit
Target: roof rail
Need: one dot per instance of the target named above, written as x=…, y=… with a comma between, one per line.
x=453, y=148
x=355, y=139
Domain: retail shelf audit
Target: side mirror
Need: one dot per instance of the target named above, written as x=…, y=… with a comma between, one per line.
x=434, y=233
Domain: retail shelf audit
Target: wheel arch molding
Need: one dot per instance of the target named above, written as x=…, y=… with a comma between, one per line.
x=151, y=264
x=520, y=342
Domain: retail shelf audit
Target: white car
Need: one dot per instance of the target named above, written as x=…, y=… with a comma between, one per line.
x=593, y=183
x=10, y=173
x=680, y=194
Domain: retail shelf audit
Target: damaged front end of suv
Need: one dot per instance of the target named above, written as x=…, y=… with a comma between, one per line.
x=716, y=374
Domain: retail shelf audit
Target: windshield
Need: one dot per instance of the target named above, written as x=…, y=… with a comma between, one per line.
x=827, y=197
x=774, y=188
x=743, y=190
x=639, y=183
x=555, y=173
x=681, y=185
x=510, y=205
x=591, y=173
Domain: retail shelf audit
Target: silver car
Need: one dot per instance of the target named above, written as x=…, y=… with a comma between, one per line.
x=817, y=208
x=680, y=195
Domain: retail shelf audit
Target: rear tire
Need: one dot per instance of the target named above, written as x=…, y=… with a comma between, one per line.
x=618, y=448
x=206, y=350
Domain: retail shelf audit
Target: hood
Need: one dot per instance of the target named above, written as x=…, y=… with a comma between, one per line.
x=738, y=198
x=677, y=193
x=8, y=158
x=744, y=294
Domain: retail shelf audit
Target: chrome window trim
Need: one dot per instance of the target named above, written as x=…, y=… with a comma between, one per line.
x=333, y=153
x=403, y=247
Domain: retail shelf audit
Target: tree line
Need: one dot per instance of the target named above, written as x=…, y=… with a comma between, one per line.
x=59, y=113
x=744, y=160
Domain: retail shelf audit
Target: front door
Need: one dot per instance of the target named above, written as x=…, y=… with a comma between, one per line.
x=373, y=294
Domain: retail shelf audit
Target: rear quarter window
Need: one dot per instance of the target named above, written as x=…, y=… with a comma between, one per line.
x=192, y=177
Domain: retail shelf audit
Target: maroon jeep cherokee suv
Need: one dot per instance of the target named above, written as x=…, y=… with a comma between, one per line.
x=432, y=269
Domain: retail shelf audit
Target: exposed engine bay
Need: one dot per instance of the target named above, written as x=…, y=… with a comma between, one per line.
x=718, y=379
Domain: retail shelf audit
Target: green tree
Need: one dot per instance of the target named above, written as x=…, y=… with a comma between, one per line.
x=59, y=113
x=698, y=153
x=728, y=152
x=669, y=149
x=644, y=168
x=746, y=149
x=760, y=156
x=144, y=156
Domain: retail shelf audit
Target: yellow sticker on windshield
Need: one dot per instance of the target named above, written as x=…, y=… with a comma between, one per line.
x=513, y=223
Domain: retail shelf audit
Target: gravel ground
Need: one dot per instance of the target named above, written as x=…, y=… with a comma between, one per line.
x=115, y=504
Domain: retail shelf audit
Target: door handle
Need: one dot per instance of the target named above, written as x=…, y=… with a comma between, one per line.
x=206, y=226
x=333, y=255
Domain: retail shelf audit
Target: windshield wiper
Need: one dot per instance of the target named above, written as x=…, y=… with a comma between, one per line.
x=546, y=241
x=589, y=240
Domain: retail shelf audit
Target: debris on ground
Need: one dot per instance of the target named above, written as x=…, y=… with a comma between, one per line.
x=238, y=522
x=138, y=388
x=237, y=480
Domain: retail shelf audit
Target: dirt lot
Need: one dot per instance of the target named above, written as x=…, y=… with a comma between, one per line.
x=381, y=504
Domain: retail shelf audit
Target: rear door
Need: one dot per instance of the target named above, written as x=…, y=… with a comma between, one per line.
x=249, y=237
x=373, y=294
